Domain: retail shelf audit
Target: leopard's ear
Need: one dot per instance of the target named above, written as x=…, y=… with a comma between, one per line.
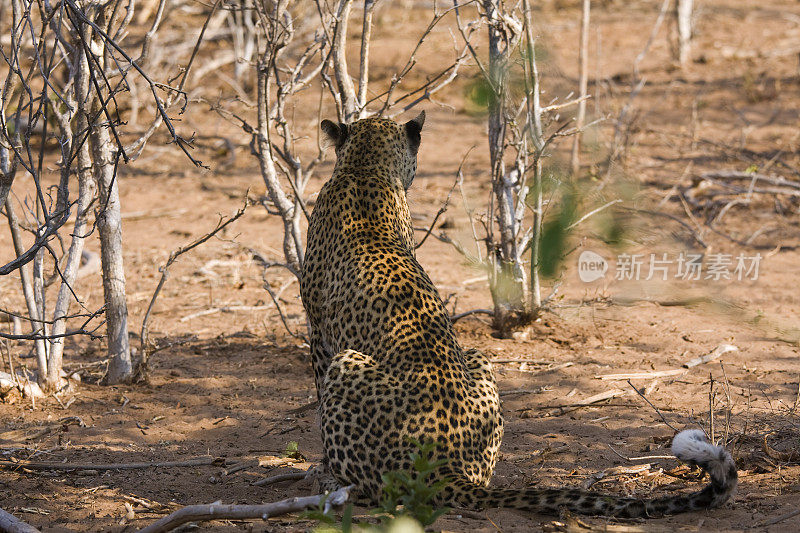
x=413, y=129
x=335, y=134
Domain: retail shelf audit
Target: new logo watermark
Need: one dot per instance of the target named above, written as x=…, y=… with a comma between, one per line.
x=591, y=266
x=644, y=267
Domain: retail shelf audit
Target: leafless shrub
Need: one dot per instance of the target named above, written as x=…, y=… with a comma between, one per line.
x=291, y=59
x=66, y=67
x=521, y=131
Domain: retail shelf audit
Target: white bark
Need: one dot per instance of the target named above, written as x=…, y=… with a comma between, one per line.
x=363, y=70
x=583, y=84
x=12, y=524
x=39, y=296
x=6, y=174
x=684, y=15
x=343, y=80
x=292, y=238
x=109, y=227
x=534, y=111
x=27, y=292
x=85, y=194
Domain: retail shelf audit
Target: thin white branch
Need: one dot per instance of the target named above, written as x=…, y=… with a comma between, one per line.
x=217, y=511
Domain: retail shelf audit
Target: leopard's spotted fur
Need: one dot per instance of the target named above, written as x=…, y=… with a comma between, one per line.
x=386, y=361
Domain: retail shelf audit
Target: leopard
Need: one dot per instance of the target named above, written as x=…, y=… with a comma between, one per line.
x=388, y=368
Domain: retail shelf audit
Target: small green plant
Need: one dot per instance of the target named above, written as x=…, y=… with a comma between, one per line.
x=406, y=505
x=293, y=451
x=411, y=493
x=328, y=521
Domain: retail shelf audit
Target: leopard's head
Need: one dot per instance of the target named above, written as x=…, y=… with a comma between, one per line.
x=377, y=145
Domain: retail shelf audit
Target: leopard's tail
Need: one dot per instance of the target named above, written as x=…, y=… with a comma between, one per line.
x=690, y=446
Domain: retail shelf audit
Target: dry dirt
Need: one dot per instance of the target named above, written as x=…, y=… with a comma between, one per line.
x=233, y=384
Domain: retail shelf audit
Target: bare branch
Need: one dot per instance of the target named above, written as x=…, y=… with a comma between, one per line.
x=12, y=524
x=363, y=66
x=339, y=57
x=173, y=256
x=216, y=511
x=442, y=209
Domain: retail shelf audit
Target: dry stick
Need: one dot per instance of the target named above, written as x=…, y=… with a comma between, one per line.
x=363, y=67
x=468, y=212
x=593, y=212
x=303, y=408
x=651, y=405
x=588, y=402
x=715, y=354
x=180, y=141
x=615, y=471
x=750, y=176
x=10, y=524
x=515, y=392
x=225, y=309
x=197, y=461
x=162, y=115
x=797, y=398
x=81, y=330
x=656, y=27
x=459, y=316
x=583, y=84
x=711, y=407
x=241, y=466
x=222, y=224
x=429, y=88
x=339, y=60
x=86, y=366
x=548, y=369
x=214, y=511
x=780, y=518
x=534, y=127
x=27, y=291
x=150, y=505
x=523, y=360
x=683, y=14
x=291, y=476
x=447, y=200
x=233, y=308
x=733, y=189
x=643, y=458
x=280, y=313
x=264, y=148
x=642, y=375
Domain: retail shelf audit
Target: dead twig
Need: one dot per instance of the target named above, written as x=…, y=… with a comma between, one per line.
x=715, y=354
x=591, y=400
x=615, y=471
x=641, y=375
x=30, y=465
x=446, y=201
x=643, y=458
x=778, y=519
x=280, y=311
x=651, y=405
x=215, y=511
x=459, y=316
x=145, y=332
x=750, y=176
x=11, y=524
